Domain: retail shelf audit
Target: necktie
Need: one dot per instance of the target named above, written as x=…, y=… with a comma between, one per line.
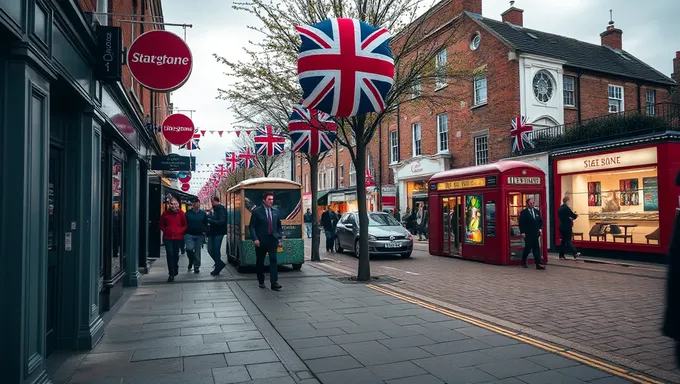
x=533, y=214
x=269, y=220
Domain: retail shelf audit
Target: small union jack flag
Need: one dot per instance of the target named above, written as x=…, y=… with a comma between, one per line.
x=193, y=143
x=232, y=160
x=247, y=158
x=311, y=131
x=345, y=67
x=267, y=143
x=221, y=171
x=519, y=133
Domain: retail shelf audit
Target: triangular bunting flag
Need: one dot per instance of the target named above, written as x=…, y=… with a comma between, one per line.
x=238, y=133
x=202, y=133
x=220, y=133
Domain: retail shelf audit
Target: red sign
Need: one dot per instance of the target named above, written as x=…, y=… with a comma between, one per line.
x=184, y=177
x=178, y=129
x=185, y=187
x=160, y=60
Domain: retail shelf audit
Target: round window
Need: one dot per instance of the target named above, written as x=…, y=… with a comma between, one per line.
x=474, y=43
x=544, y=86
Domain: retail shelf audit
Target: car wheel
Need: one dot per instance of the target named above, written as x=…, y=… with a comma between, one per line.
x=406, y=255
x=297, y=266
x=338, y=248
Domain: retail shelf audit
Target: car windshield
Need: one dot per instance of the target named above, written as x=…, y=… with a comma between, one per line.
x=381, y=220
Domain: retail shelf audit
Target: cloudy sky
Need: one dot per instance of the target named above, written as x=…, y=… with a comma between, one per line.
x=218, y=28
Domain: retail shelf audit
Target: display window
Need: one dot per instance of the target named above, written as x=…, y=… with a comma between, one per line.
x=619, y=206
x=474, y=219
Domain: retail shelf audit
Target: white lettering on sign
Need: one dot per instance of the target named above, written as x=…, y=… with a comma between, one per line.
x=172, y=128
x=524, y=180
x=630, y=158
x=159, y=60
x=416, y=167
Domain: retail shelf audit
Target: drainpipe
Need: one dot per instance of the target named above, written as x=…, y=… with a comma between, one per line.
x=578, y=95
x=639, y=106
x=380, y=158
x=396, y=203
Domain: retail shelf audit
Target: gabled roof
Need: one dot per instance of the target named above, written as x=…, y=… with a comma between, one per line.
x=575, y=53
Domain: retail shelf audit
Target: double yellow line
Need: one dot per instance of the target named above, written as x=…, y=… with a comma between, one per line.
x=601, y=365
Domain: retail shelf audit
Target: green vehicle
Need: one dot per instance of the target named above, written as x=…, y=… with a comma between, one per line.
x=240, y=202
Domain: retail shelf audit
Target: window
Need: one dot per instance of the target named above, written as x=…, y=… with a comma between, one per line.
x=615, y=94
x=307, y=183
x=394, y=147
x=443, y=132
x=440, y=81
x=568, y=83
x=352, y=175
x=480, y=89
x=322, y=178
x=341, y=175
x=369, y=165
x=417, y=149
x=416, y=89
x=331, y=178
x=481, y=150
x=544, y=86
x=474, y=43
x=650, y=101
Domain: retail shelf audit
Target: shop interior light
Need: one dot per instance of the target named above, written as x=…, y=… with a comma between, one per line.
x=639, y=170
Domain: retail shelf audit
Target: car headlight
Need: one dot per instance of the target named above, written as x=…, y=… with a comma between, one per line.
x=371, y=237
x=409, y=236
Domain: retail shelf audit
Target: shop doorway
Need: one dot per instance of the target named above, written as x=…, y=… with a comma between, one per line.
x=452, y=225
x=516, y=203
x=54, y=246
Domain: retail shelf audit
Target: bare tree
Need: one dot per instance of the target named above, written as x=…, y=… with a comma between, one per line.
x=266, y=164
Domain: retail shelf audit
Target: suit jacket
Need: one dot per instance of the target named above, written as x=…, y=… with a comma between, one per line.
x=566, y=215
x=528, y=225
x=259, y=225
x=671, y=327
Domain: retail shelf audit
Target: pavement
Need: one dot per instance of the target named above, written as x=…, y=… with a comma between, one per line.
x=319, y=328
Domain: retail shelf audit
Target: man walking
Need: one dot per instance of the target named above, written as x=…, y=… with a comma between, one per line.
x=671, y=325
x=216, y=232
x=421, y=221
x=173, y=223
x=328, y=220
x=267, y=232
x=567, y=217
x=530, y=226
x=308, y=223
x=197, y=221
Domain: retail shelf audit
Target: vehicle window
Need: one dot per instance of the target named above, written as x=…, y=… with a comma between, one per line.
x=350, y=219
x=382, y=220
x=345, y=218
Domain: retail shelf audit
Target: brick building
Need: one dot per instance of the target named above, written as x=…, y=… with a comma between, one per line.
x=551, y=79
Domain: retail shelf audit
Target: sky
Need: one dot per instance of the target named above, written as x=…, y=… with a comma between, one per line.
x=650, y=31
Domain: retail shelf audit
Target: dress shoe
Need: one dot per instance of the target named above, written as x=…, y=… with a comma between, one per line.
x=262, y=285
x=171, y=279
x=276, y=287
x=197, y=270
x=540, y=266
x=525, y=266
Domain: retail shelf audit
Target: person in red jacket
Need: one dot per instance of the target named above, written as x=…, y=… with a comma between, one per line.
x=173, y=223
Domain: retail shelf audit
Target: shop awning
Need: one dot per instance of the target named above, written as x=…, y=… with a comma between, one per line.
x=186, y=197
x=322, y=198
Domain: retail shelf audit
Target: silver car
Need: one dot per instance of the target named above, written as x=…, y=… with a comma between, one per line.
x=386, y=236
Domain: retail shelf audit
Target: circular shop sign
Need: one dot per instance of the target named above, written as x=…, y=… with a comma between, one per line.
x=178, y=129
x=185, y=187
x=184, y=177
x=160, y=60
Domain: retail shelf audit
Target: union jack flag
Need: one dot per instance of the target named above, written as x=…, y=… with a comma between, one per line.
x=221, y=171
x=232, y=160
x=345, y=67
x=519, y=133
x=295, y=212
x=247, y=158
x=311, y=131
x=267, y=143
x=192, y=144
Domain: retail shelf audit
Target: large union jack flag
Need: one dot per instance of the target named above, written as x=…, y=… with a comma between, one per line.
x=192, y=144
x=311, y=131
x=232, y=160
x=267, y=143
x=345, y=67
x=247, y=158
x=519, y=133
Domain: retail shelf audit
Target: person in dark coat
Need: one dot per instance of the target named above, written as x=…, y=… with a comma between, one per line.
x=567, y=217
x=531, y=228
x=267, y=233
x=328, y=221
x=216, y=231
x=671, y=327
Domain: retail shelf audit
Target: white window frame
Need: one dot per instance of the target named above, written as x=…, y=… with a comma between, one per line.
x=394, y=147
x=650, y=101
x=307, y=183
x=352, y=175
x=479, y=83
x=569, y=90
x=331, y=178
x=440, y=64
x=615, y=93
x=443, y=132
x=417, y=139
x=341, y=175
x=369, y=164
x=416, y=89
x=481, y=147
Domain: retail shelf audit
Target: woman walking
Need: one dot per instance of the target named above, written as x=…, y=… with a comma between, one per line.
x=173, y=223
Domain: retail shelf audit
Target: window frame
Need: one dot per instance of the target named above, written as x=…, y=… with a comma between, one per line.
x=394, y=147
x=417, y=150
x=440, y=68
x=650, y=107
x=621, y=100
x=341, y=175
x=475, y=90
x=352, y=175
x=442, y=136
x=479, y=151
x=566, y=91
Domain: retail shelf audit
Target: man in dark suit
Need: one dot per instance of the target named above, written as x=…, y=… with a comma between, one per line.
x=567, y=217
x=266, y=231
x=671, y=326
x=531, y=228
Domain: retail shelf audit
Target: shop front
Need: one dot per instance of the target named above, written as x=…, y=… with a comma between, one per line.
x=411, y=177
x=343, y=200
x=626, y=198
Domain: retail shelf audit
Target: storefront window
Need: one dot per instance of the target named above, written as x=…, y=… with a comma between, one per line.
x=117, y=217
x=615, y=206
x=474, y=219
x=417, y=193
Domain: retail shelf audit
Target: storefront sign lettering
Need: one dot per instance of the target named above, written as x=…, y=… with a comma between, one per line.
x=416, y=167
x=178, y=129
x=460, y=184
x=108, y=65
x=160, y=60
x=630, y=158
x=524, y=180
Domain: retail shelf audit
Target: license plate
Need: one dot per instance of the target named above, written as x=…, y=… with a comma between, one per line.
x=392, y=245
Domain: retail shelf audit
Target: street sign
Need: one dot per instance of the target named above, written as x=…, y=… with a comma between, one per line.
x=185, y=187
x=173, y=162
x=109, y=56
x=184, y=177
x=178, y=129
x=160, y=60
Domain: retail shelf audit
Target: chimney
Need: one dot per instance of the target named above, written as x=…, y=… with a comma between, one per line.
x=611, y=37
x=513, y=15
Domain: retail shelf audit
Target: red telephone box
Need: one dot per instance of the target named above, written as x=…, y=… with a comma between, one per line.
x=474, y=211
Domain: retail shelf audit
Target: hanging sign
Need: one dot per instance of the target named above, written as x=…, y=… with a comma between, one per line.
x=173, y=162
x=185, y=187
x=160, y=60
x=178, y=129
x=109, y=57
x=184, y=177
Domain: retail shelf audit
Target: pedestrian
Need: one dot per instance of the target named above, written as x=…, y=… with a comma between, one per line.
x=197, y=222
x=421, y=222
x=328, y=222
x=308, y=223
x=671, y=326
x=217, y=229
x=531, y=228
x=567, y=217
x=395, y=213
x=267, y=232
x=173, y=223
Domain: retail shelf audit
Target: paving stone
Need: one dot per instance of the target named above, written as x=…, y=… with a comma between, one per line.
x=229, y=375
x=516, y=351
x=196, y=363
x=510, y=380
x=408, y=341
x=198, y=377
x=455, y=347
x=204, y=349
x=267, y=370
x=273, y=380
x=201, y=330
x=610, y=380
x=302, y=375
x=97, y=366
x=460, y=360
x=397, y=370
x=228, y=328
x=358, y=337
x=583, y=372
x=313, y=333
x=142, y=344
x=405, y=320
x=354, y=376
x=327, y=364
x=434, y=317
x=231, y=336
x=154, y=354
x=251, y=357
x=476, y=332
x=552, y=377
x=497, y=340
x=334, y=324
x=469, y=375
x=511, y=368
x=423, y=379
x=391, y=356
x=248, y=345
x=309, y=381
x=311, y=342
x=319, y=352
x=552, y=361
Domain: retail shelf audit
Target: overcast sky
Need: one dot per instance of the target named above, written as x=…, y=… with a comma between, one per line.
x=218, y=28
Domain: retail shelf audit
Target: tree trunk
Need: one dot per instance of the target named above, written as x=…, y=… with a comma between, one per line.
x=314, y=181
x=364, y=272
